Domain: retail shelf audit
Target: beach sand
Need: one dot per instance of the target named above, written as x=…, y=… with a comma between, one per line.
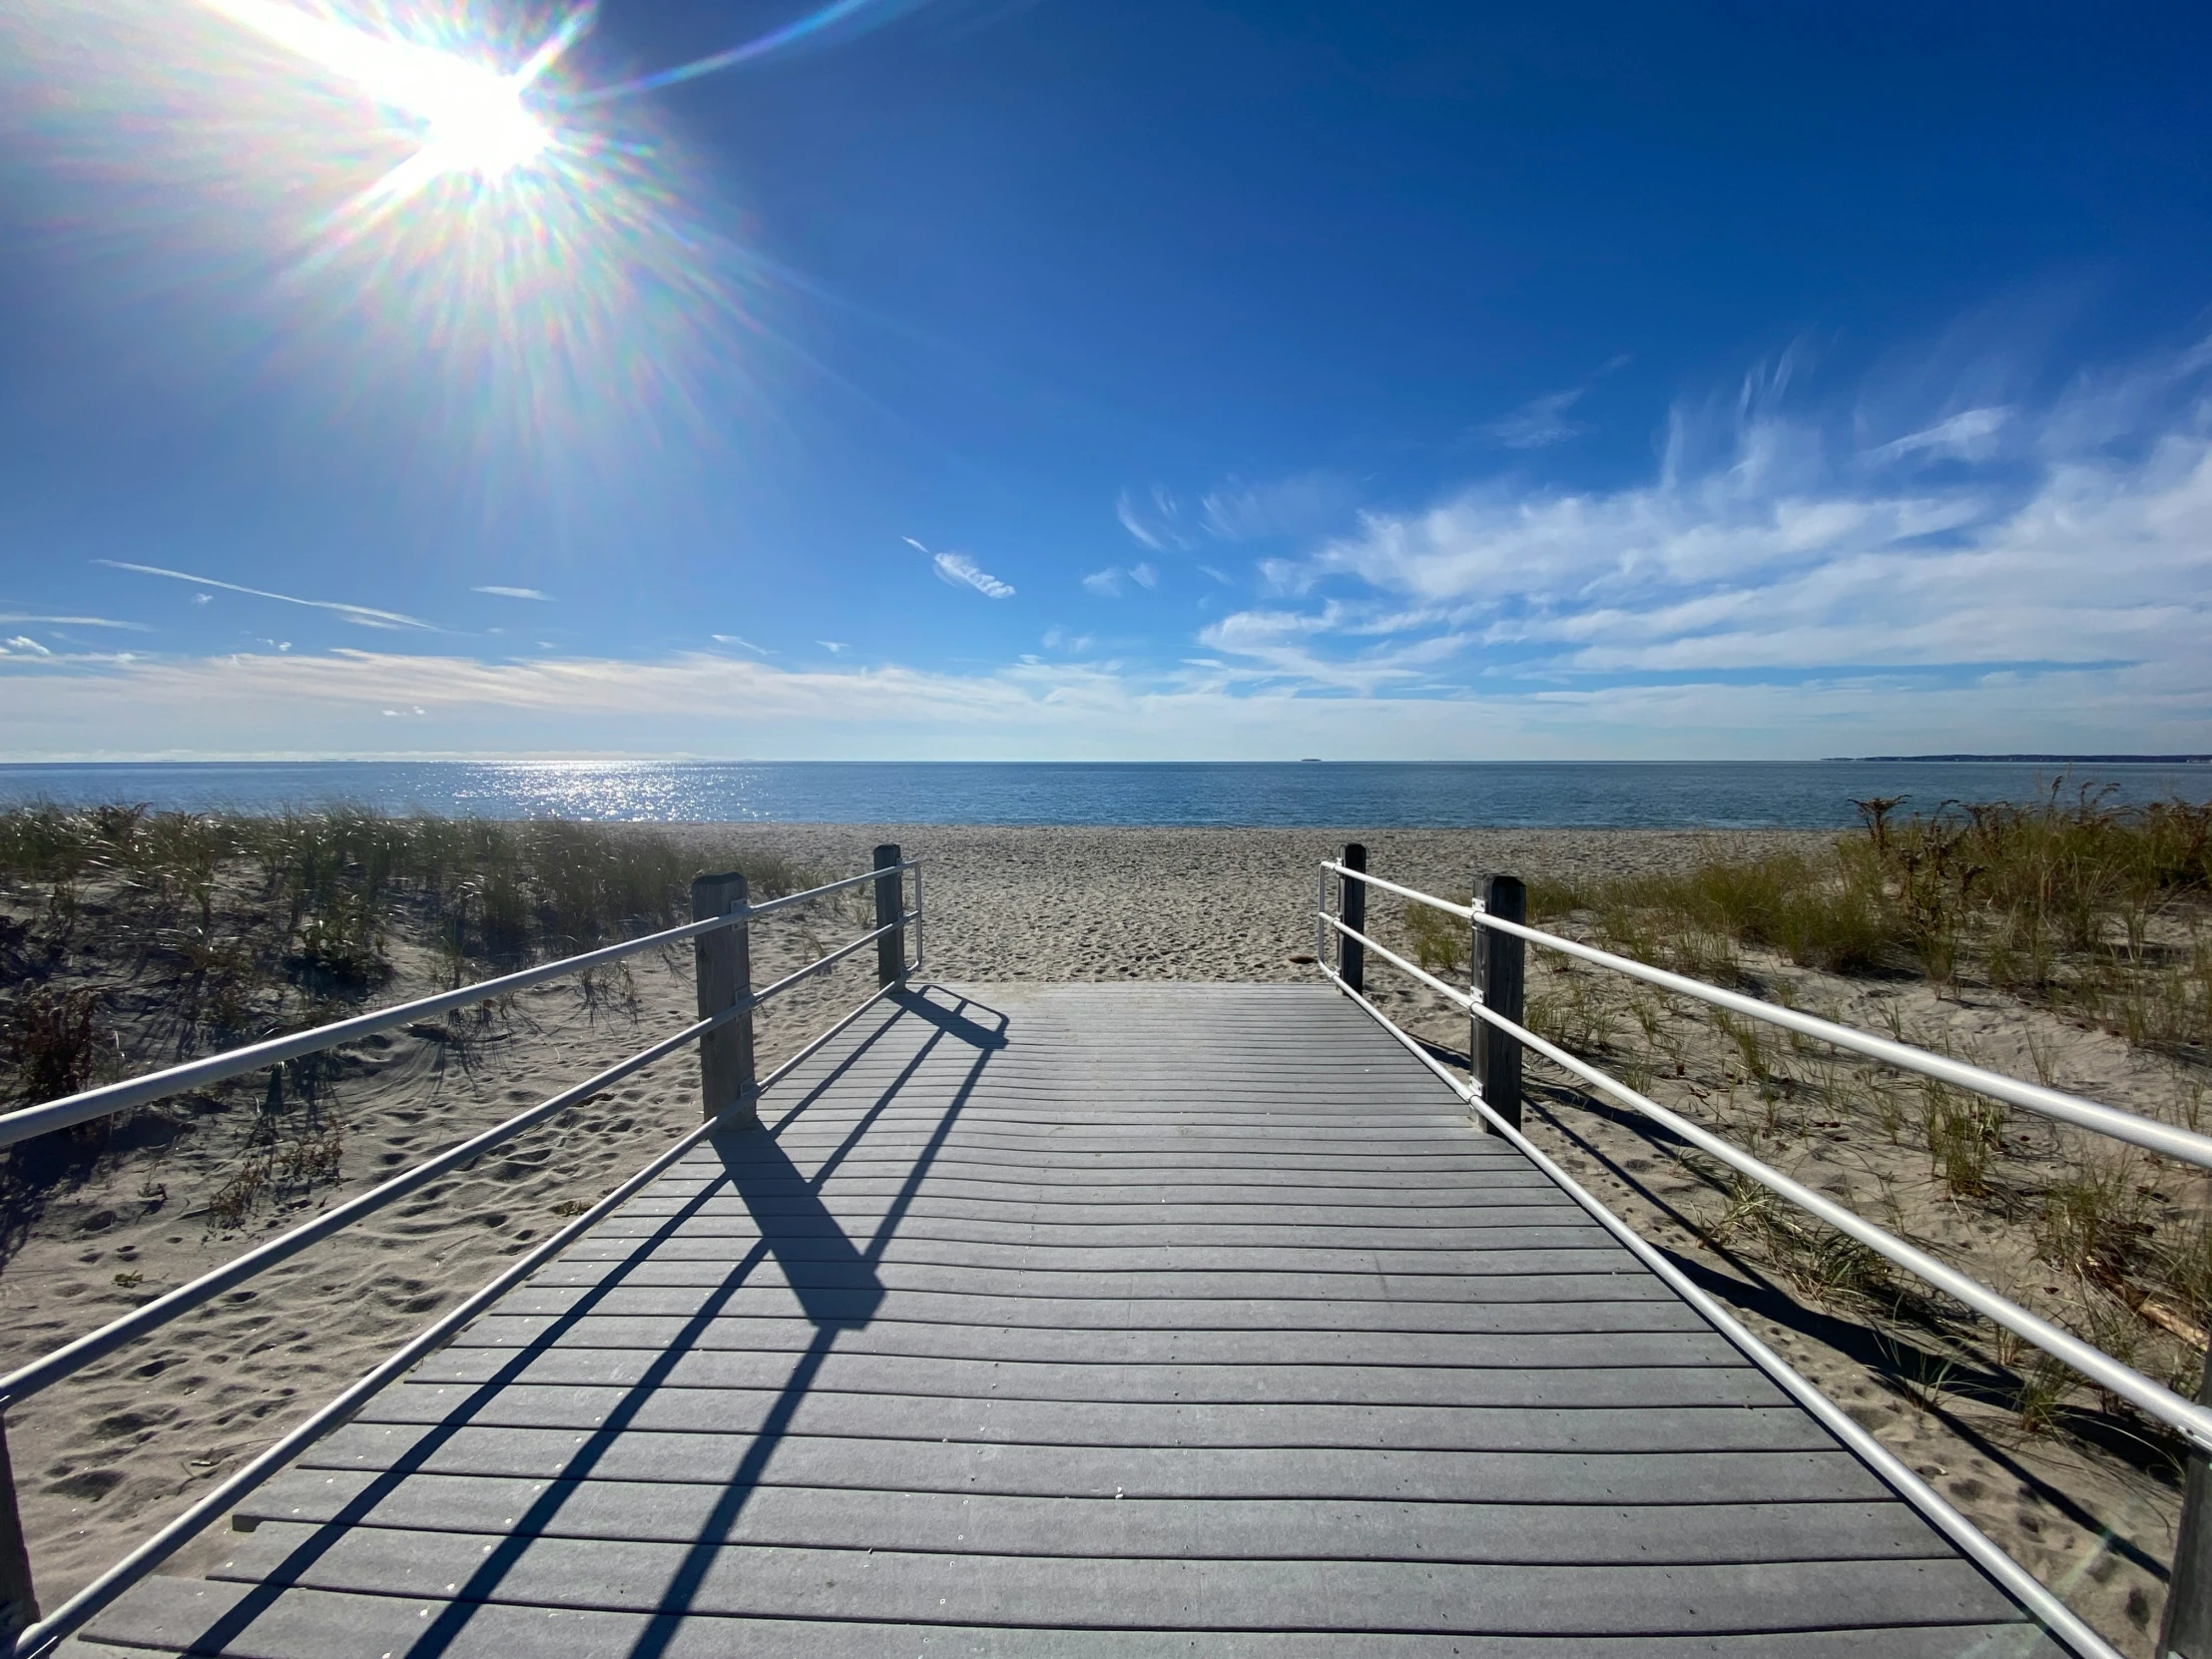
x=104, y=1457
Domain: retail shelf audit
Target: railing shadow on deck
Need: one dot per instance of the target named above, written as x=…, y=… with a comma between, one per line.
x=833, y=1279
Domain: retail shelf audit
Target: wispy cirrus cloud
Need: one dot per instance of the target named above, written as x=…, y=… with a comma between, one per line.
x=1156, y=522
x=515, y=593
x=1754, y=552
x=20, y=617
x=1110, y=582
x=363, y=616
x=1306, y=503
x=1969, y=435
x=1547, y=420
x=1540, y=422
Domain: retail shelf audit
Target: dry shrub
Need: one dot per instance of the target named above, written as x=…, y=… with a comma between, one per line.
x=57, y=1043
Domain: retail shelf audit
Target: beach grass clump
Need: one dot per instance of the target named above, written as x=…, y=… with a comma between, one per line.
x=57, y=1042
x=1821, y=913
x=213, y=928
x=2095, y=909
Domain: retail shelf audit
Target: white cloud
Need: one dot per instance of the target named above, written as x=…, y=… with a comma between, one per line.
x=1304, y=505
x=1769, y=560
x=1540, y=422
x=516, y=593
x=712, y=705
x=743, y=644
x=960, y=570
x=1107, y=583
x=1544, y=421
x=835, y=648
x=1969, y=435
x=24, y=642
x=1765, y=592
x=1236, y=511
x=203, y=599
x=363, y=616
x=1156, y=524
x=74, y=621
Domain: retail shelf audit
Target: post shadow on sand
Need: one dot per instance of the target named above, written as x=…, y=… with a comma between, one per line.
x=834, y=1282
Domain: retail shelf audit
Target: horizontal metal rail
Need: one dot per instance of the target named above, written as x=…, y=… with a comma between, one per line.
x=2055, y=1614
x=2165, y=1139
x=824, y=963
x=42, y=1637
x=236, y=1062
x=2192, y=1421
x=20, y=1384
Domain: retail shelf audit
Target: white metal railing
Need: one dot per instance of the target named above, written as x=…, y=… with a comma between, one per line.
x=2165, y=1139
x=893, y=921
x=2191, y=1421
x=2187, y=1616
x=236, y=1062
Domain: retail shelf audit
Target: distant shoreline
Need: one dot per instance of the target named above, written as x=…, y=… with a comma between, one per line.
x=2034, y=760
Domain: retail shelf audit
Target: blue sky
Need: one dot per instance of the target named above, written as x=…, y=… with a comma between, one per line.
x=1154, y=380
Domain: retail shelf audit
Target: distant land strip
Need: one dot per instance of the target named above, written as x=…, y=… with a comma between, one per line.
x=2049, y=759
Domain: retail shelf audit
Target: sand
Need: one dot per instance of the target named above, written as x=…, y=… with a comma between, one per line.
x=104, y=1457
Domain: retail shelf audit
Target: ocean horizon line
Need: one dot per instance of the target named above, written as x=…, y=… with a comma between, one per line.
x=1413, y=794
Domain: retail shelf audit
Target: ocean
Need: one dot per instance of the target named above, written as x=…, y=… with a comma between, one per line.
x=1350, y=794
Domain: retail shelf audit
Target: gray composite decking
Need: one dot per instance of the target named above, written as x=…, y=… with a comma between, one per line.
x=1088, y=1320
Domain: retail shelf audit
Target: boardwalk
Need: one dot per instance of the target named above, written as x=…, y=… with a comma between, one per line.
x=1088, y=1320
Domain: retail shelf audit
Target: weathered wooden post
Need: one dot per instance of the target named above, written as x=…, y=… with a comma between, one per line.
x=2186, y=1630
x=728, y=1083
x=18, y=1605
x=891, y=904
x=1499, y=963
x=1352, y=906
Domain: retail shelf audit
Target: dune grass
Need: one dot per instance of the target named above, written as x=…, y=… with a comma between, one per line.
x=256, y=922
x=2096, y=910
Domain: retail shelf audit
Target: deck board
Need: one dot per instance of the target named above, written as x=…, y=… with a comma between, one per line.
x=1090, y=1321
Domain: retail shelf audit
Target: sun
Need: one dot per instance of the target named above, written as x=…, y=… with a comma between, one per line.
x=475, y=121
x=465, y=116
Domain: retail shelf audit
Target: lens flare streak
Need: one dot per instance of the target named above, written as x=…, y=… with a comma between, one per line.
x=473, y=118
x=838, y=11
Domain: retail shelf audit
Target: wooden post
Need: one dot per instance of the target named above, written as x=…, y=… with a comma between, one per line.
x=728, y=1083
x=18, y=1605
x=2186, y=1629
x=1499, y=963
x=1352, y=906
x=890, y=903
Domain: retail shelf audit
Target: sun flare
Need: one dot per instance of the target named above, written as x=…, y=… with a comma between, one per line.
x=468, y=118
